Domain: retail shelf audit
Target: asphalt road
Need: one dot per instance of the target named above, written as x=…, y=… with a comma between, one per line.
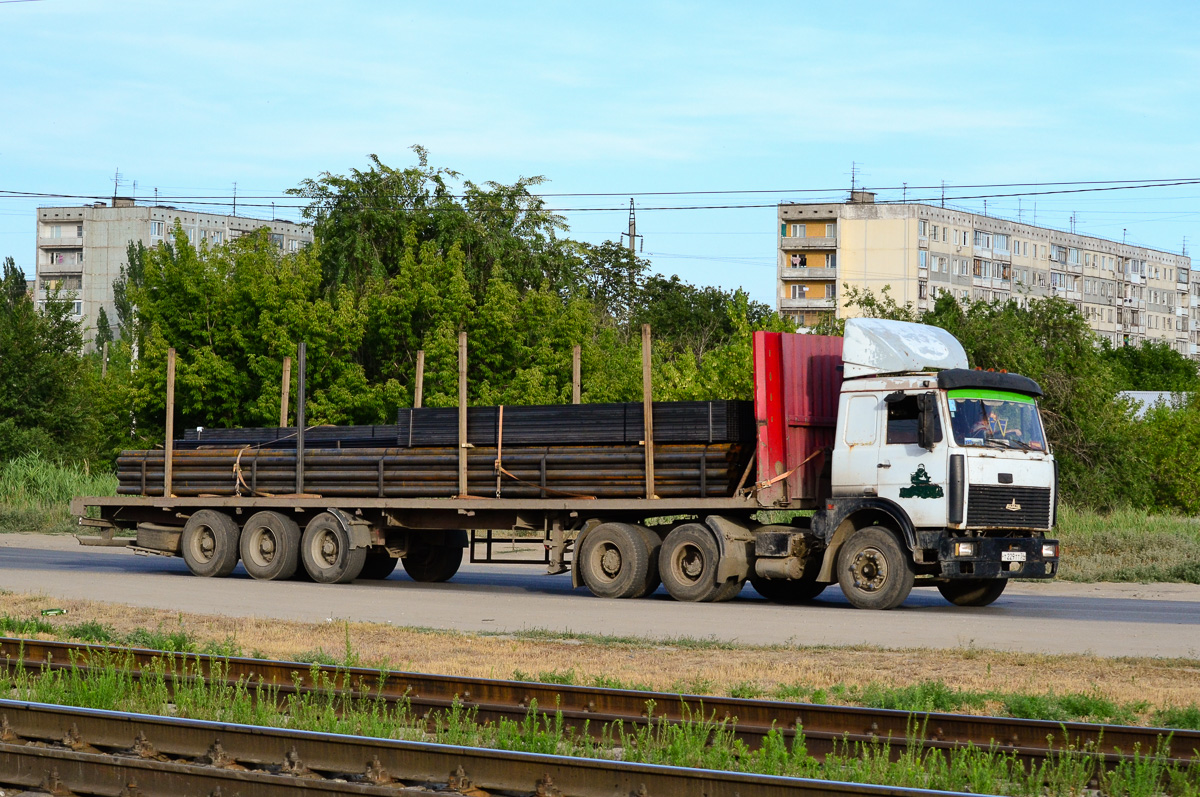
x=1104, y=619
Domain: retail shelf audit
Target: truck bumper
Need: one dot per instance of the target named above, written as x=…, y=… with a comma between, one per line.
x=1006, y=557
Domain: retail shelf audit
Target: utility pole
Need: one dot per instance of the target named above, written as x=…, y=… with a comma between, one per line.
x=633, y=229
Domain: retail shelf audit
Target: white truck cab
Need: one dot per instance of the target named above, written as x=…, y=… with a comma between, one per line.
x=941, y=475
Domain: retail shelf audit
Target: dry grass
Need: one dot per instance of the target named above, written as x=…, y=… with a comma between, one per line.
x=716, y=669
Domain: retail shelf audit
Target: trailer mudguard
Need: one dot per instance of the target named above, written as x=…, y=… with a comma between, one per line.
x=735, y=541
x=358, y=531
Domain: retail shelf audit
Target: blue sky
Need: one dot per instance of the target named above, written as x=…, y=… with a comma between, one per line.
x=779, y=97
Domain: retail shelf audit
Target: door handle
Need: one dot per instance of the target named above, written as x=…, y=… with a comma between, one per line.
x=884, y=464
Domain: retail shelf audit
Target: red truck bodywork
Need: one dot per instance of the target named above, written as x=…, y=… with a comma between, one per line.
x=797, y=381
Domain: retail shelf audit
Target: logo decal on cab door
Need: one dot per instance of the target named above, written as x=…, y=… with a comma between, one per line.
x=922, y=486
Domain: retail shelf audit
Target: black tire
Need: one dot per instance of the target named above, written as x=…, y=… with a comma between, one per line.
x=653, y=546
x=973, y=591
x=209, y=543
x=688, y=563
x=270, y=546
x=326, y=553
x=429, y=563
x=873, y=569
x=615, y=561
x=379, y=564
x=791, y=592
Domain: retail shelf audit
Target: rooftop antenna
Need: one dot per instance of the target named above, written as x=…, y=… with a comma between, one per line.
x=235, y=197
x=272, y=211
x=853, y=176
x=135, y=189
x=904, y=195
x=1123, y=231
x=117, y=181
x=985, y=207
x=156, y=196
x=1184, y=252
x=1072, y=222
x=943, y=193
x=1018, y=210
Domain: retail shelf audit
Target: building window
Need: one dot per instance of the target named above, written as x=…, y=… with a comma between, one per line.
x=923, y=228
x=830, y=290
x=156, y=228
x=831, y=230
x=797, y=260
x=797, y=231
x=922, y=259
x=798, y=291
x=831, y=260
x=78, y=230
x=1000, y=242
x=983, y=240
x=922, y=290
x=56, y=231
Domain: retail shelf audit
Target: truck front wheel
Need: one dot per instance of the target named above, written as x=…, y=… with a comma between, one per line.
x=209, y=543
x=873, y=570
x=973, y=591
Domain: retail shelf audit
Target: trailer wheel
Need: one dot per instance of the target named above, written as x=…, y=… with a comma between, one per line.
x=615, y=561
x=379, y=564
x=790, y=592
x=270, y=546
x=873, y=570
x=653, y=547
x=326, y=553
x=210, y=543
x=688, y=566
x=431, y=563
x=973, y=591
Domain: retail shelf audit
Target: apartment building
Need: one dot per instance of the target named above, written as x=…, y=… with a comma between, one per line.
x=82, y=249
x=1127, y=293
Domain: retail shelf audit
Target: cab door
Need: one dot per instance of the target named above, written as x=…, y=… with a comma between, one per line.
x=856, y=453
x=912, y=476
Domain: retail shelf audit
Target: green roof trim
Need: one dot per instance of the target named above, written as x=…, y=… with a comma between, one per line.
x=992, y=395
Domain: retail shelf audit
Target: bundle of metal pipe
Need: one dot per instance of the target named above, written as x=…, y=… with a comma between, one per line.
x=583, y=424
x=681, y=471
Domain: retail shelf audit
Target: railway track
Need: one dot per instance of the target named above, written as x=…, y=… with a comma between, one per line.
x=58, y=750
x=825, y=728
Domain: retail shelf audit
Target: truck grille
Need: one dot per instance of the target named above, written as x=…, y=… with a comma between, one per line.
x=990, y=506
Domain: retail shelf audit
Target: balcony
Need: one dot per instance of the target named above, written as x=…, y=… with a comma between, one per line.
x=807, y=304
x=805, y=273
x=1181, y=311
x=808, y=243
x=1195, y=301
x=60, y=243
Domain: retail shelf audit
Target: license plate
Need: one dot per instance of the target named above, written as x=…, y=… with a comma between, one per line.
x=1012, y=556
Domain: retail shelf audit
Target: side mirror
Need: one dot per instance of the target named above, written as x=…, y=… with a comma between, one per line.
x=926, y=420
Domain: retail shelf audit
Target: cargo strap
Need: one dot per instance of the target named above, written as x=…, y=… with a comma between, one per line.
x=765, y=484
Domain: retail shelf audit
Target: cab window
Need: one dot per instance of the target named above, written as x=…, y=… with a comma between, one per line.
x=902, y=422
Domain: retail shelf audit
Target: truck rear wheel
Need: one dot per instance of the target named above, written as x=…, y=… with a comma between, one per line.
x=790, y=591
x=688, y=566
x=973, y=591
x=270, y=546
x=326, y=552
x=615, y=560
x=209, y=543
x=379, y=564
x=873, y=570
x=431, y=563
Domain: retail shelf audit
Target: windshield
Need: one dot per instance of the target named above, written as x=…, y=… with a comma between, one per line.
x=995, y=418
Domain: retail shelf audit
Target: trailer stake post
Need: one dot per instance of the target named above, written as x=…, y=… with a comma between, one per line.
x=300, y=419
x=169, y=443
x=284, y=391
x=575, y=369
x=420, y=388
x=462, y=414
x=648, y=410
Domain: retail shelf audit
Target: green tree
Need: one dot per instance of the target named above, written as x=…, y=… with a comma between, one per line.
x=43, y=397
x=1153, y=365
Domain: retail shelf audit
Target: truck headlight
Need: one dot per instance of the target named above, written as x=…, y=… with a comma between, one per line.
x=1050, y=551
x=964, y=549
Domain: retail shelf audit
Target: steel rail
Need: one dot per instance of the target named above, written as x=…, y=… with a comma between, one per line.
x=825, y=728
x=88, y=751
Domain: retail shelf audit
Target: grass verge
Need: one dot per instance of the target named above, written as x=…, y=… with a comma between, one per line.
x=35, y=493
x=1128, y=546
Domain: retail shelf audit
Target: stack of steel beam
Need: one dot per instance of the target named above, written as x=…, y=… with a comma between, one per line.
x=578, y=424
x=682, y=470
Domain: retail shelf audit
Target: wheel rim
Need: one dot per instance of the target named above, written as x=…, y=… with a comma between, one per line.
x=263, y=547
x=325, y=549
x=869, y=569
x=204, y=544
x=608, y=561
x=688, y=562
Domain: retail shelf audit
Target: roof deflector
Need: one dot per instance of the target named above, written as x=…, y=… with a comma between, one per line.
x=875, y=346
